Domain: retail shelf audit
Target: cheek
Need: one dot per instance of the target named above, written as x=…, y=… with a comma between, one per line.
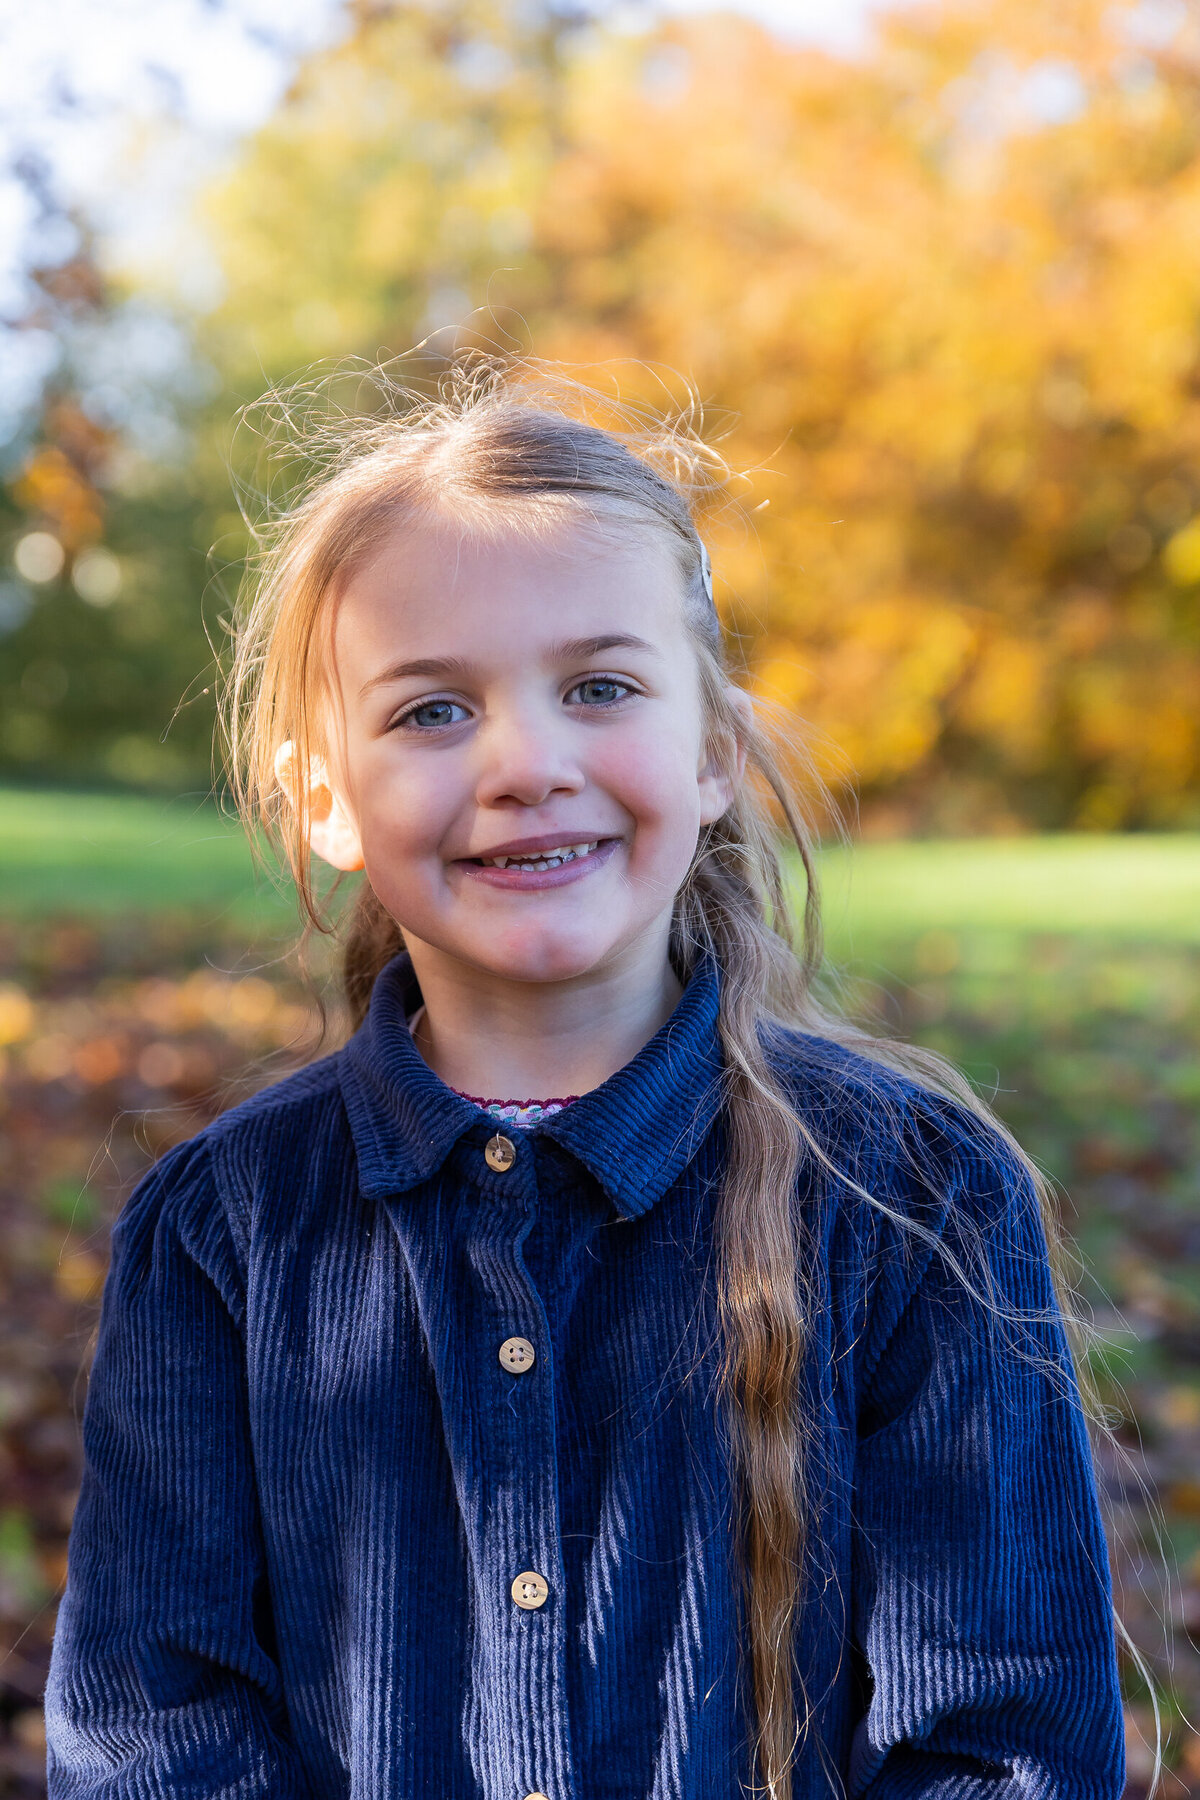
x=653, y=775
x=405, y=804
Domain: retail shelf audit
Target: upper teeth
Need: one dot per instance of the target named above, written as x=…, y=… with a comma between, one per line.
x=542, y=859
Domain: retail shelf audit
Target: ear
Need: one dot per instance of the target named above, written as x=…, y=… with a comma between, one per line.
x=332, y=833
x=724, y=763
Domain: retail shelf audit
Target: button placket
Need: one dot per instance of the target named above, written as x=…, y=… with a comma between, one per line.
x=522, y=1669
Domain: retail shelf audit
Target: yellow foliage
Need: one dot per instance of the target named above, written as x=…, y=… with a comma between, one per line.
x=1181, y=558
x=51, y=486
x=950, y=292
x=1006, y=699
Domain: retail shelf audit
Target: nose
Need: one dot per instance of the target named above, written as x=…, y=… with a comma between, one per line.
x=526, y=759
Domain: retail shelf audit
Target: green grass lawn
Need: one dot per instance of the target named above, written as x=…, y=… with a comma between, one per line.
x=1144, y=888
x=103, y=854
x=100, y=854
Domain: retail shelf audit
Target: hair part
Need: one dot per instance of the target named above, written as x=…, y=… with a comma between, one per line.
x=500, y=446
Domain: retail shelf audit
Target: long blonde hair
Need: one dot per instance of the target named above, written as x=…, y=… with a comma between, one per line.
x=517, y=444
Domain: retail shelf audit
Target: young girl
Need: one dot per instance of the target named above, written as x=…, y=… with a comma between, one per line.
x=608, y=1377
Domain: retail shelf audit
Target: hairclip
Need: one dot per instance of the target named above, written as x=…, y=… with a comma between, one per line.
x=706, y=573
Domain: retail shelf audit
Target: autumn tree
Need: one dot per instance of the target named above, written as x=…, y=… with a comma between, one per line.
x=951, y=292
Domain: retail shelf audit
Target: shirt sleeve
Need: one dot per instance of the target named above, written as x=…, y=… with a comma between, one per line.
x=162, y=1681
x=982, y=1594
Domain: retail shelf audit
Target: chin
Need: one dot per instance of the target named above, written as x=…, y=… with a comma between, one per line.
x=545, y=958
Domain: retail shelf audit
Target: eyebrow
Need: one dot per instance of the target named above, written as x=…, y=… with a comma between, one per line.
x=446, y=668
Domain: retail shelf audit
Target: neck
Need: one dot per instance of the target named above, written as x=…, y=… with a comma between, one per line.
x=529, y=1040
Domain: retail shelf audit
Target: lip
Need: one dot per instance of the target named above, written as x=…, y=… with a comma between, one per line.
x=537, y=846
x=534, y=880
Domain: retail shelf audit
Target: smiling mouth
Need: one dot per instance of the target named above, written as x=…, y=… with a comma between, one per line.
x=545, y=859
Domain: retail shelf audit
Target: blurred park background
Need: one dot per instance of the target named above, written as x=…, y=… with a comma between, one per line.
x=934, y=272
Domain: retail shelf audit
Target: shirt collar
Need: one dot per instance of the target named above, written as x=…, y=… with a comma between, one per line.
x=634, y=1134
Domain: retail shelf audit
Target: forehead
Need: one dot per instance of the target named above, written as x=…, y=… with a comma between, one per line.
x=438, y=587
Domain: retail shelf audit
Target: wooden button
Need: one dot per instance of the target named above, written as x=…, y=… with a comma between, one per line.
x=517, y=1355
x=530, y=1591
x=535, y=1797
x=500, y=1153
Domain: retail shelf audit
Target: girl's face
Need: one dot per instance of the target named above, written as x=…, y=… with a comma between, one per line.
x=522, y=768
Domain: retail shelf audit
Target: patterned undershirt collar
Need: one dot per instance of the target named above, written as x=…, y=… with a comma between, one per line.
x=519, y=1112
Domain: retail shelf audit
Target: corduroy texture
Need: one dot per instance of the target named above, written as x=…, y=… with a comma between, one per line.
x=310, y=1482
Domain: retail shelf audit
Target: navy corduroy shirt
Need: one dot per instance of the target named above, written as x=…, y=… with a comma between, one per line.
x=311, y=1480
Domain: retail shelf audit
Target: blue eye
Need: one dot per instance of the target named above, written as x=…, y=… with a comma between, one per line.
x=599, y=690
x=433, y=715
